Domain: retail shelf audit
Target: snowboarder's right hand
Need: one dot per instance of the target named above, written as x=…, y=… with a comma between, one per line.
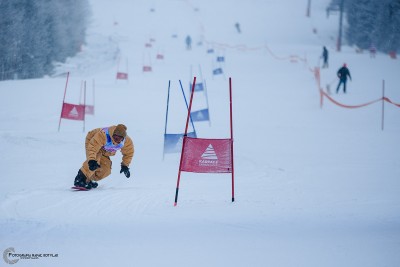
x=93, y=165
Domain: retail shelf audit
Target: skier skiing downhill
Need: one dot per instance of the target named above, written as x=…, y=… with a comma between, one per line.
x=101, y=144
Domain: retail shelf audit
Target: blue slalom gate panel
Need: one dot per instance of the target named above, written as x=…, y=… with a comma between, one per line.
x=200, y=115
x=173, y=142
x=217, y=71
x=197, y=87
x=221, y=59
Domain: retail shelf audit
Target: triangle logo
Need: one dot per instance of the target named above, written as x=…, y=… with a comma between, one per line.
x=209, y=153
x=73, y=113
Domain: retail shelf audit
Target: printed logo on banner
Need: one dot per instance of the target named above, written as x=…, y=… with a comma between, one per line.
x=209, y=157
x=73, y=113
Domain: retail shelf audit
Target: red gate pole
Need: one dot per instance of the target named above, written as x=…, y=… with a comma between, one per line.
x=183, y=143
x=233, y=169
x=94, y=95
x=62, y=108
x=84, y=105
x=383, y=104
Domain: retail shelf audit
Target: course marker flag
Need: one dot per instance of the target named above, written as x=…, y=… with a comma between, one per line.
x=202, y=155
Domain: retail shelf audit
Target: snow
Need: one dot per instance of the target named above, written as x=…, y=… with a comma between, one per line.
x=314, y=186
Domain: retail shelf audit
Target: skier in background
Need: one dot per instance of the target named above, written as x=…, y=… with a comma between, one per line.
x=237, y=26
x=188, y=41
x=100, y=144
x=325, y=55
x=372, y=51
x=342, y=73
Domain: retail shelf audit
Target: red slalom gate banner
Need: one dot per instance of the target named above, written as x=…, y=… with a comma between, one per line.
x=201, y=155
x=207, y=155
x=122, y=76
x=73, y=111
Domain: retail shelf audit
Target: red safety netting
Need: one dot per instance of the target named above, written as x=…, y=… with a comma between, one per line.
x=73, y=112
x=348, y=106
x=207, y=155
x=391, y=102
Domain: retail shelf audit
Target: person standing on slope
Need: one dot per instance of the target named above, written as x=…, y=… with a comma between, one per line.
x=325, y=55
x=101, y=144
x=342, y=74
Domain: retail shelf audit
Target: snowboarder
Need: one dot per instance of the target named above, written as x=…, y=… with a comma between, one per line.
x=342, y=73
x=100, y=144
x=325, y=57
x=188, y=42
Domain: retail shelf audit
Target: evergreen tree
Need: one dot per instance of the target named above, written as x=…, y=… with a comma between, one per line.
x=374, y=22
x=35, y=34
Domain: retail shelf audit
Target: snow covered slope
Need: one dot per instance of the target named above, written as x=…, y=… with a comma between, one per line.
x=314, y=187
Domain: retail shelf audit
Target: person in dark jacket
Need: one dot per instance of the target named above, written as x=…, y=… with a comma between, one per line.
x=325, y=57
x=342, y=73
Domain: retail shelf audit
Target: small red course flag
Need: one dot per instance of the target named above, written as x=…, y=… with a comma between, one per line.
x=73, y=112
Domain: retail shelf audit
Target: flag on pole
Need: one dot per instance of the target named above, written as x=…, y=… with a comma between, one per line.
x=173, y=142
x=73, y=112
x=200, y=115
x=207, y=155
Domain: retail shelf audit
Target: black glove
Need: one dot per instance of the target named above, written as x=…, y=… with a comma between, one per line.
x=125, y=170
x=93, y=165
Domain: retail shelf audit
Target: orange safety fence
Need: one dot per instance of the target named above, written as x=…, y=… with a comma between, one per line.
x=390, y=101
x=347, y=106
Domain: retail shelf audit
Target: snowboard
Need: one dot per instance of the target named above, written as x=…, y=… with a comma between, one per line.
x=78, y=188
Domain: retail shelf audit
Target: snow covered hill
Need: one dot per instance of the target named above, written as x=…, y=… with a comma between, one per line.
x=314, y=187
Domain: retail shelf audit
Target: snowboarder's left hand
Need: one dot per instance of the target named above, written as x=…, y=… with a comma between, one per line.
x=125, y=170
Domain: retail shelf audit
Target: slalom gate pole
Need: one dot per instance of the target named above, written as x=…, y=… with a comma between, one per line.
x=208, y=106
x=80, y=92
x=166, y=116
x=233, y=169
x=183, y=144
x=84, y=105
x=127, y=69
x=62, y=108
x=94, y=102
x=383, y=104
x=184, y=97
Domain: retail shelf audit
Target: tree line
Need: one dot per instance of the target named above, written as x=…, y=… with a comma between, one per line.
x=373, y=23
x=36, y=34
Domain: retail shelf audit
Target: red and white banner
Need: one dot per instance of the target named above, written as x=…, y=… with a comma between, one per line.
x=122, y=76
x=207, y=155
x=89, y=109
x=73, y=112
x=202, y=155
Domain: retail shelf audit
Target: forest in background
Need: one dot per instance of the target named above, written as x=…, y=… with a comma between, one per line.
x=36, y=34
x=373, y=23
